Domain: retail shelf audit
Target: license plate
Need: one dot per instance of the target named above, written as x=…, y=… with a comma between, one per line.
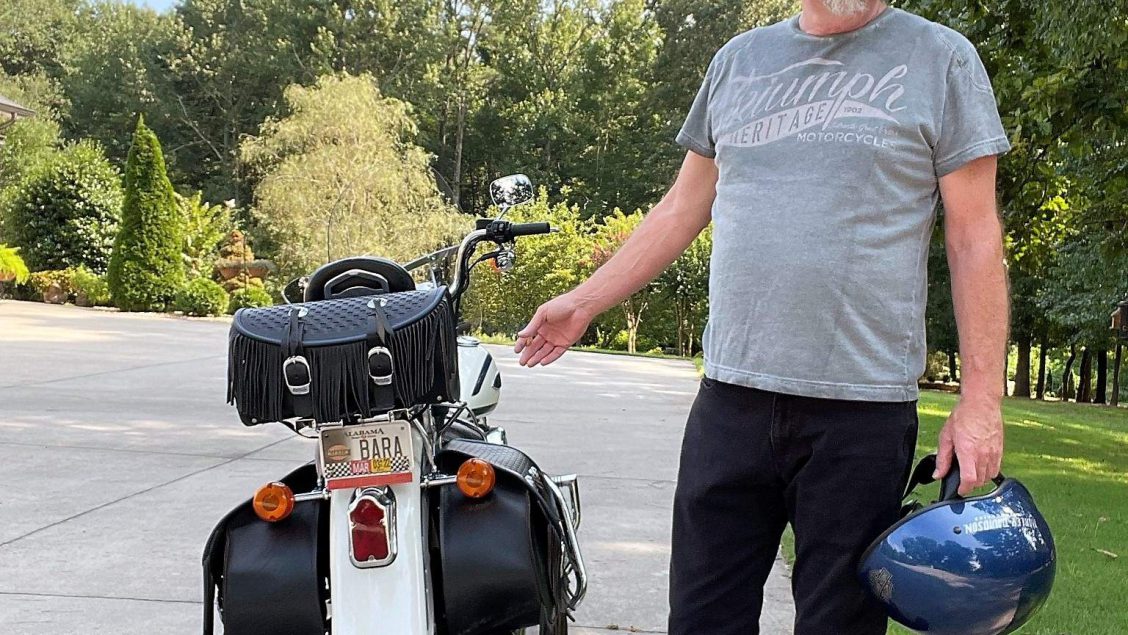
x=367, y=455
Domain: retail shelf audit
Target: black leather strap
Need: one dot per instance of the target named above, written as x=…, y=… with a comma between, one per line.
x=922, y=474
x=949, y=485
x=296, y=369
x=381, y=366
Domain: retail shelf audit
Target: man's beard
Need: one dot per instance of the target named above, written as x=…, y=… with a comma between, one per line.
x=846, y=7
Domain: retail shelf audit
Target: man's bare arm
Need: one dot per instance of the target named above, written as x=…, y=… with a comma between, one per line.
x=662, y=236
x=973, y=234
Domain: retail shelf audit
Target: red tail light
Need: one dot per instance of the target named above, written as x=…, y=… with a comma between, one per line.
x=372, y=528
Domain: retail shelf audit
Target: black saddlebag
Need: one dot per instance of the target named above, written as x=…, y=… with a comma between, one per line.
x=338, y=359
x=499, y=557
x=270, y=577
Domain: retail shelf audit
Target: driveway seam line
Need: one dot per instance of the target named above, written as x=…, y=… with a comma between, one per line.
x=108, y=372
x=652, y=481
x=138, y=493
x=134, y=451
x=98, y=597
x=197, y=603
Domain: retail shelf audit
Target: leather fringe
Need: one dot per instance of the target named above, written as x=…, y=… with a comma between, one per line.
x=424, y=354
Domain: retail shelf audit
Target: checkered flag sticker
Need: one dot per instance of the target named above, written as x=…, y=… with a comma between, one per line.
x=344, y=469
x=337, y=470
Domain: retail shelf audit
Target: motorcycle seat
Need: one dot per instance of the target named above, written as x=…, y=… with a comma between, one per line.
x=358, y=276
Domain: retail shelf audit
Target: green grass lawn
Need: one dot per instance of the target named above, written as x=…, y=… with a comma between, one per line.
x=1074, y=459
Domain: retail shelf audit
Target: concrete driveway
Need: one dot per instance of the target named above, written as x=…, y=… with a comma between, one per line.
x=118, y=454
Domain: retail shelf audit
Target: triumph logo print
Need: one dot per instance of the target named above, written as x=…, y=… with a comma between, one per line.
x=776, y=107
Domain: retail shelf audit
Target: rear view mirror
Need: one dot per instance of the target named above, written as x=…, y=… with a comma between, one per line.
x=510, y=191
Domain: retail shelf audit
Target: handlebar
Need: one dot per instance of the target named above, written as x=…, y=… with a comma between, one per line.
x=530, y=229
x=498, y=231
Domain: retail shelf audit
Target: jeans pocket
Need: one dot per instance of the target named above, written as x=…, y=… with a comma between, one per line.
x=708, y=384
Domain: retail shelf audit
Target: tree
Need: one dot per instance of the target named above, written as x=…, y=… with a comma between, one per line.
x=692, y=32
x=147, y=268
x=1080, y=296
x=546, y=266
x=118, y=69
x=28, y=142
x=460, y=83
x=65, y=214
x=33, y=33
x=940, y=319
x=1062, y=104
x=684, y=285
x=610, y=235
x=342, y=176
x=613, y=167
x=230, y=63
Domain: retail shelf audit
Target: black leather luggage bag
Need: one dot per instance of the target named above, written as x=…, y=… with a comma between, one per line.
x=499, y=556
x=333, y=360
x=269, y=578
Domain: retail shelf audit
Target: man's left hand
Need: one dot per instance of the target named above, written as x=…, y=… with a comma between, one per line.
x=974, y=432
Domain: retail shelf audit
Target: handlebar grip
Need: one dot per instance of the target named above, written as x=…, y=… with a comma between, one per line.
x=530, y=229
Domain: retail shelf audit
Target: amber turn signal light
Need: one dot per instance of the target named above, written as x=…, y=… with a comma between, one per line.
x=476, y=478
x=274, y=502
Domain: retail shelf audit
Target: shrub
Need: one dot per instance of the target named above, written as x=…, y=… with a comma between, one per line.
x=53, y=287
x=90, y=289
x=201, y=297
x=65, y=213
x=205, y=227
x=147, y=266
x=249, y=298
x=12, y=267
x=622, y=340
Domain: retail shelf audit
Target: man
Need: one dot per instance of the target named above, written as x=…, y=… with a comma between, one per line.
x=819, y=147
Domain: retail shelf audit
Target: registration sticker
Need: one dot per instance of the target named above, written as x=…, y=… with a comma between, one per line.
x=367, y=455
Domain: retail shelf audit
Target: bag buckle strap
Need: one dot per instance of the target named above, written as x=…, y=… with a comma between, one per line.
x=297, y=374
x=380, y=365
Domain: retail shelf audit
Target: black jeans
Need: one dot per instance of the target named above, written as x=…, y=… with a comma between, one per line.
x=753, y=461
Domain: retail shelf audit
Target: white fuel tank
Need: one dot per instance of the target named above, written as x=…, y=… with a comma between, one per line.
x=478, y=376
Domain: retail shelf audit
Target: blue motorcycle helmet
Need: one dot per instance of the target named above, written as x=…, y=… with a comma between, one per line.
x=981, y=565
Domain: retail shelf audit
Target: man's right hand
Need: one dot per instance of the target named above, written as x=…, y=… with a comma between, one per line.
x=663, y=235
x=557, y=324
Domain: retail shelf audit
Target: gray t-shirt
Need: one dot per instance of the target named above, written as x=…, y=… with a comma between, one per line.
x=829, y=151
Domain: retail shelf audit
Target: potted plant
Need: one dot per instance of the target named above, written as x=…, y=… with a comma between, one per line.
x=237, y=267
x=12, y=267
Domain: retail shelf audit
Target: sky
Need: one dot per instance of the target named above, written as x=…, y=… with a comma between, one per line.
x=159, y=5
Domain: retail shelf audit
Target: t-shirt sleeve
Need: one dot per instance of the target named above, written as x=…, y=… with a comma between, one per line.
x=970, y=127
x=696, y=133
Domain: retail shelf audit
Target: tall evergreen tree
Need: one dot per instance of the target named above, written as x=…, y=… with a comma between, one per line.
x=146, y=268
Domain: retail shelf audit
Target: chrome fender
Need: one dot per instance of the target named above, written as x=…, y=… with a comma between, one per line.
x=395, y=598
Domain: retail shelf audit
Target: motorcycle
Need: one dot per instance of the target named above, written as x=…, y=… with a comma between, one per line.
x=416, y=517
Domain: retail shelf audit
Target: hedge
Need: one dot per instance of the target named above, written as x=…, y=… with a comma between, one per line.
x=249, y=298
x=201, y=297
